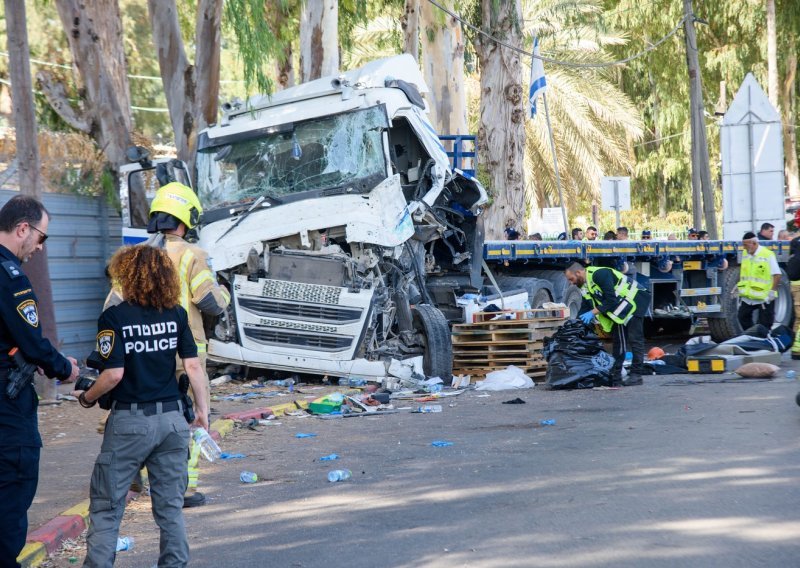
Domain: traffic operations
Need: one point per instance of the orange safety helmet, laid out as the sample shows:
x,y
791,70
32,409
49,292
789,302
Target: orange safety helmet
x,y
655,353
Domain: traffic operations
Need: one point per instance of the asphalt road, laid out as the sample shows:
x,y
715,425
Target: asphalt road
x,y
664,475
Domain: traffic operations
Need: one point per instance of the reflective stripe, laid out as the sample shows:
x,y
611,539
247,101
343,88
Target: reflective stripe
x,y
199,279
202,348
183,275
225,294
192,465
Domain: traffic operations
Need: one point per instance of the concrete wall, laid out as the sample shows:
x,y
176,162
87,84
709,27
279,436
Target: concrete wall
x,y
84,233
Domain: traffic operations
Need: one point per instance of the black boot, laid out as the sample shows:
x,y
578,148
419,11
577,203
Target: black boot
x,y
632,381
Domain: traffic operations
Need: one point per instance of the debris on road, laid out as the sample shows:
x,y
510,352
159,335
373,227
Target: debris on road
x,y
509,378
329,458
441,444
227,456
248,477
547,422
514,401
339,475
304,435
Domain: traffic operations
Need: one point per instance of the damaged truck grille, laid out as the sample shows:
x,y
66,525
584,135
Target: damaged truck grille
x,y
318,313
297,291
273,336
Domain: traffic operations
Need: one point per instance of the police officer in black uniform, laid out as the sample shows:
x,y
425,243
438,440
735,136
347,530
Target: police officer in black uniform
x,y
138,340
23,231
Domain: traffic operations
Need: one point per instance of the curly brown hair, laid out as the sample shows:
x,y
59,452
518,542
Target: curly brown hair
x,y
146,276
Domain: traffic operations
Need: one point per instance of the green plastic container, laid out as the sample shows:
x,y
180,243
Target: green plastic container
x,y
323,406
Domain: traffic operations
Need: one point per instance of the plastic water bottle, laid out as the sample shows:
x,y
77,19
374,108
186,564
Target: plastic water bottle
x,y
248,477
791,374
339,475
124,543
208,447
429,408
628,359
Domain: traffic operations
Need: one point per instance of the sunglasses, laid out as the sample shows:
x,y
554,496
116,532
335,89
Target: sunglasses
x,y
42,235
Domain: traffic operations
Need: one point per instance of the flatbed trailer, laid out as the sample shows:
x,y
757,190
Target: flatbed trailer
x,y
697,284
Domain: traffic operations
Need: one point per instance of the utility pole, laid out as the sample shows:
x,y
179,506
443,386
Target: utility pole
x,y
702,190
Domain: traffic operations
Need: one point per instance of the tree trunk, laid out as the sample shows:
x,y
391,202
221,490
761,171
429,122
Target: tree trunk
x,y
443,66
30,182
410,25
501,130
319,39
772,55
284,68
789,117
177,74
206,62
96,42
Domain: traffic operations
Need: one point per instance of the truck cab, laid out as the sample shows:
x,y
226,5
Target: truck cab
x,y
333,215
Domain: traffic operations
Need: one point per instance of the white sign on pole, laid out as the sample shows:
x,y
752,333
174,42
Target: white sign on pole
x,y
552,220
616,193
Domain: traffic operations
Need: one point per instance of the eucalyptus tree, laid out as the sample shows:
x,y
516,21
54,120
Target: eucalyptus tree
x,y
502,116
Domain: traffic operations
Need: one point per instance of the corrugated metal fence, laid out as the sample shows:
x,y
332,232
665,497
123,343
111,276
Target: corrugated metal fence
x,y
84,233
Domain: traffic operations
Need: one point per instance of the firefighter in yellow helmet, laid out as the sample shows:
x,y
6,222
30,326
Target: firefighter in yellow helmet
x,y
174,211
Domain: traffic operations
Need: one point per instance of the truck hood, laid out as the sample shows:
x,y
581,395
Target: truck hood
x,y
381,217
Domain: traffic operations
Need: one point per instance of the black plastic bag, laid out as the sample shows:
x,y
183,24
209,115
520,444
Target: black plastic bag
x,y
576,358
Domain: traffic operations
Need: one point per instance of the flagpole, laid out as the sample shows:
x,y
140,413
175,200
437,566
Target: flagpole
x,y
555,164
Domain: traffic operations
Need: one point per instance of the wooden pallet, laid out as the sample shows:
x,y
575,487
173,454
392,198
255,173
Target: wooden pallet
x,y
489,344
558,314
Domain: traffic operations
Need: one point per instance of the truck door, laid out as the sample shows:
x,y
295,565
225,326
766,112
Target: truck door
x,y
138,185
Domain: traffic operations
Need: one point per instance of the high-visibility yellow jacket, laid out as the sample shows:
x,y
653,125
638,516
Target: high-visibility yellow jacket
x,y
625,298
755,279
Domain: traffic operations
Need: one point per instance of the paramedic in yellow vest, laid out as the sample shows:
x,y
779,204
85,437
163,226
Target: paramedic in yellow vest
x,y
794,249
759,278
619,305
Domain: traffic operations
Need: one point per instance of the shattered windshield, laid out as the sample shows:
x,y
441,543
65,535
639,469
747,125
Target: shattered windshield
x,y
329,152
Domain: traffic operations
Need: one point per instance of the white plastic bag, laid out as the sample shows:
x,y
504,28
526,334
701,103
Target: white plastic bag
x,y
506,379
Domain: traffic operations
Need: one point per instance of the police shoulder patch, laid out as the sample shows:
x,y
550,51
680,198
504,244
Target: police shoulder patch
x,y
29,313
12,269
105,343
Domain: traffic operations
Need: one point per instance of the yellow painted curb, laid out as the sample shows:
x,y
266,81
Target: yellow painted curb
x,y
223,426
280,409
81,509
33,554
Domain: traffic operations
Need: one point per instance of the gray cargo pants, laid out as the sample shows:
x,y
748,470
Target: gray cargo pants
x,y
132,440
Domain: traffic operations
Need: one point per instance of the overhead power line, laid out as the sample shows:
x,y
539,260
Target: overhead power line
x,y
63,66
490,37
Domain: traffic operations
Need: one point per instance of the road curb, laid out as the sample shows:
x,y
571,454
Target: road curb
x,y
71,523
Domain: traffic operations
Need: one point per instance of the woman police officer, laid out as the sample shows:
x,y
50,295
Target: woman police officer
x,y
137,341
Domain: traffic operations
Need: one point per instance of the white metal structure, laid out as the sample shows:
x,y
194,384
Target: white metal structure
x,y
752,163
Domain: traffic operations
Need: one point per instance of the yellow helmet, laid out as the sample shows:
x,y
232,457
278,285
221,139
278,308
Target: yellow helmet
x,y
179,201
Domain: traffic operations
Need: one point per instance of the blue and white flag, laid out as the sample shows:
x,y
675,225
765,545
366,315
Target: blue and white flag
x,y
538,82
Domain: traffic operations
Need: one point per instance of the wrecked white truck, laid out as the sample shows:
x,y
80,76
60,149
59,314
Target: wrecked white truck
x,y
333,215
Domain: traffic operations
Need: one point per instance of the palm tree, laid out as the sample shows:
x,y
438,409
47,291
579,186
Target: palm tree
x,y
594,122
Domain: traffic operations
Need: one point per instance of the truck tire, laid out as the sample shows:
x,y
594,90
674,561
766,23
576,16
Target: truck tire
x,y
539,291
437,358
558,282
573,299
728,326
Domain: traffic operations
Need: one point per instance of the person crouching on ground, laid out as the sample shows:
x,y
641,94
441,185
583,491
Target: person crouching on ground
x,y
619,305
137,341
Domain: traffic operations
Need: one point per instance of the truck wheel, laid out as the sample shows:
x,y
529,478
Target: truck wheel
x,y
727,326
432,326
573,299
538,292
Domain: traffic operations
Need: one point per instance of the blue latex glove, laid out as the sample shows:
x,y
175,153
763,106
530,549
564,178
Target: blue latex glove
x,y
586,317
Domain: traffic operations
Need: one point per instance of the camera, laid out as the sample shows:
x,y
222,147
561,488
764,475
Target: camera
x,y
84,382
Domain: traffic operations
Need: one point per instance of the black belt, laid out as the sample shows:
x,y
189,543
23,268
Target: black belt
x,y
148,408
